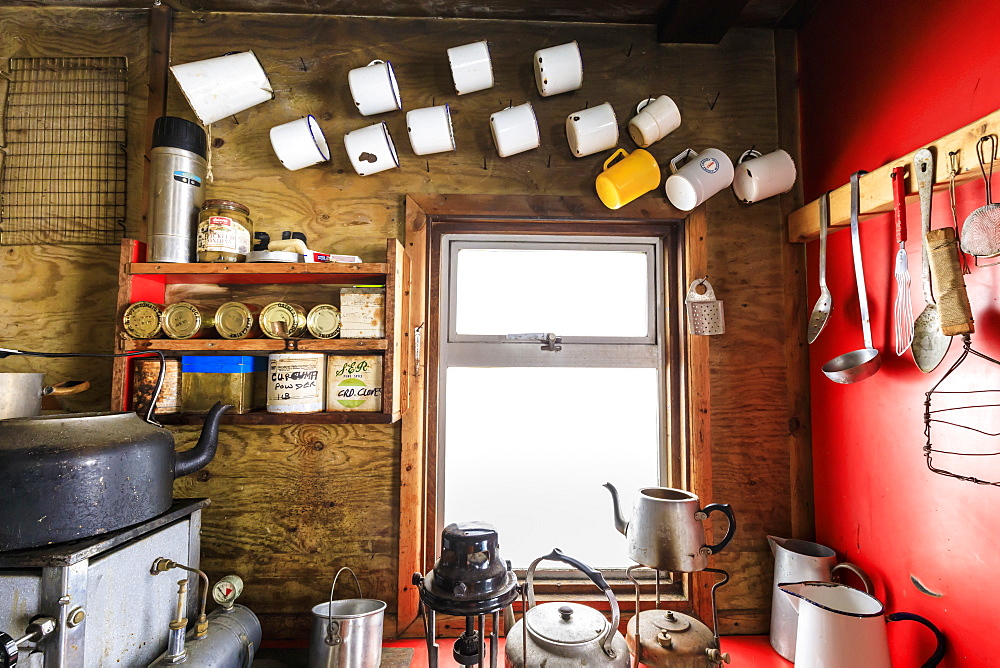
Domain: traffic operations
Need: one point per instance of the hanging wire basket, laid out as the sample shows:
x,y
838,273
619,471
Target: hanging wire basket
x,y
967,420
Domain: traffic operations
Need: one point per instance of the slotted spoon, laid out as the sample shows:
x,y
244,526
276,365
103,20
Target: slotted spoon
x,y
821,311
903,309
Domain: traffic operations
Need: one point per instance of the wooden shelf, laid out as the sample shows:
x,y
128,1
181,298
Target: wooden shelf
x,y
263,417
258,345
876,186
211,284
261,273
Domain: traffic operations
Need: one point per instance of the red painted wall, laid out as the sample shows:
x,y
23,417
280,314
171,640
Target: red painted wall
x,y
879,79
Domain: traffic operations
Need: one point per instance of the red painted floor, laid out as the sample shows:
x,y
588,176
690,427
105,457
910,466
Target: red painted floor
x,y
745,651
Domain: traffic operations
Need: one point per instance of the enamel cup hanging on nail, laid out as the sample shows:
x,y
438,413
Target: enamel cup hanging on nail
x,y
558,69
374,88
758,177
299,143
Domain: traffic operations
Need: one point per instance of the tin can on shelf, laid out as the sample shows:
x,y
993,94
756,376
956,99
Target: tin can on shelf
x,y
230,379
354,383
295,382
281,320
184,320
362,313
236,320
224,231
142,320
323,321
144,374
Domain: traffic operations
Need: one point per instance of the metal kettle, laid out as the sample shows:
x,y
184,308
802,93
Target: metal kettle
x,y
67,477
666,531
566,635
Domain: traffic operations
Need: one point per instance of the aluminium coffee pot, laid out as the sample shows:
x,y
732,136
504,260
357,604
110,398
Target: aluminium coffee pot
x,y
843,626
666,530
566,635
798,561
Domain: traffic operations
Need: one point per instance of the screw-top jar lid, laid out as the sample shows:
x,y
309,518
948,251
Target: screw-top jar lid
x,y
225,204
179,133
181,320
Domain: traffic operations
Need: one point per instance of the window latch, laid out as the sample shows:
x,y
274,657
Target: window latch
x,y
548,341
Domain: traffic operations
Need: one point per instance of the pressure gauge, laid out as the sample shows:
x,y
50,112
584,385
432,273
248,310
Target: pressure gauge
x,y
226,590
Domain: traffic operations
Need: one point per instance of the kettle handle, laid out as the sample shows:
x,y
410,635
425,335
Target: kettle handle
x,y
865,580
727,510
942,642
595,576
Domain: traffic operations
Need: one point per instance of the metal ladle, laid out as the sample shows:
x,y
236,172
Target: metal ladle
x,y
857,365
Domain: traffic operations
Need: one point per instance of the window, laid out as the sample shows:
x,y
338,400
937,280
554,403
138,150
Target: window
x,y
555,375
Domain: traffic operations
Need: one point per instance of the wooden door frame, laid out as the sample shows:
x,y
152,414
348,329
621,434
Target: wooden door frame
x,y
427,216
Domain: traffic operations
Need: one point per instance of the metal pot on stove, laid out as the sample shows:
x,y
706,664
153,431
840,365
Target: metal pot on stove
x,y
566,635
66,477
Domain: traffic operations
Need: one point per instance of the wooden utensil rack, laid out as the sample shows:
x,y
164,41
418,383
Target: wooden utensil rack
x,y
876,186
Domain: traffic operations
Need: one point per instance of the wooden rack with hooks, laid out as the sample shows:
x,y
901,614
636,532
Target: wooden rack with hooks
x,y
876,186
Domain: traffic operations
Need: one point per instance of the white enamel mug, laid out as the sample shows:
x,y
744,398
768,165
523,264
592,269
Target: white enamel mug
x,y
300,143
430,130
558,69
654,119
471,67
374,88
220,87
592,130
370,149
515,130
761,176
704,175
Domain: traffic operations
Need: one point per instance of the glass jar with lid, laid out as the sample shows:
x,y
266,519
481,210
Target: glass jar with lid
x,y
224,231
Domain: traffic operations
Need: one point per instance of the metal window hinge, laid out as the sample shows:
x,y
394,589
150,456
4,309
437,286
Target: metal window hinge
x,y
548,341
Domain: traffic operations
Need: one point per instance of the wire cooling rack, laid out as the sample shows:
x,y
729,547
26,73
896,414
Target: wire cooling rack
x,y
63,161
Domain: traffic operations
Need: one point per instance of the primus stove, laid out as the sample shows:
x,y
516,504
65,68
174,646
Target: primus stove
x,y
469,580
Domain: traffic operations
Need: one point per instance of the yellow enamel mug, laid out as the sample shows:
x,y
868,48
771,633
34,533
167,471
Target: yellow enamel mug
x,y
634,175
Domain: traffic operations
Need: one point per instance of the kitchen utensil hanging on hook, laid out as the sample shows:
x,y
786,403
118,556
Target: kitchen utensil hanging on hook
x,y
981,232
824,304
859,364
953,169
929,345
903,308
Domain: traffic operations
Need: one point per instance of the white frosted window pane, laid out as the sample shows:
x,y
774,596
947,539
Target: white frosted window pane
x,y
528,450
567,292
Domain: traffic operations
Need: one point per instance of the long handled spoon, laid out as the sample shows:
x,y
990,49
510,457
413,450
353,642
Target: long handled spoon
x,y
929,344
821,311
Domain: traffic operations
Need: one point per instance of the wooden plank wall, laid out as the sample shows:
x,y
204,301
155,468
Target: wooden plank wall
x,y
292,503
61,298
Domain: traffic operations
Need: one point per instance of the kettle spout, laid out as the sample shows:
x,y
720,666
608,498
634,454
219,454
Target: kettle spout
x,y
202,453
620,522
793,591
775,543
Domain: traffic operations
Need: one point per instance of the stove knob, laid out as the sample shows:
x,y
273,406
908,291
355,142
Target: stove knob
x,y
8,651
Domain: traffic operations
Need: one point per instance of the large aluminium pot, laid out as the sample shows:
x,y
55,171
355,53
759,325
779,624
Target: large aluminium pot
x,y
21,393
66,477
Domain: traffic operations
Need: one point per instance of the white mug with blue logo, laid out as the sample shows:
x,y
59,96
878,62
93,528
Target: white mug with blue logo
x,y
703,175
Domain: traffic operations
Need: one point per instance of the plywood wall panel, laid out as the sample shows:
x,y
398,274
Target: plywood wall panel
x,y
62,298
292,503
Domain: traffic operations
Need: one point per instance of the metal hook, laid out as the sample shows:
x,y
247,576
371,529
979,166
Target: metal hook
x,y
982,163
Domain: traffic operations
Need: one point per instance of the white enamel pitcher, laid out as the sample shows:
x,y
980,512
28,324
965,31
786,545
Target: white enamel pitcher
x,y
797,561
840,626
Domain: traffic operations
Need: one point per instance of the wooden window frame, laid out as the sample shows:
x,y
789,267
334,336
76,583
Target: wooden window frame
x,y
430,216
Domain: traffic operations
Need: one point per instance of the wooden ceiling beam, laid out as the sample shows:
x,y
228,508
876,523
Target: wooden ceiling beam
x,y
697,21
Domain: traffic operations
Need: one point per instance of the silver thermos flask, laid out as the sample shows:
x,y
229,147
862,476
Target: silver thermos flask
x,y
178,189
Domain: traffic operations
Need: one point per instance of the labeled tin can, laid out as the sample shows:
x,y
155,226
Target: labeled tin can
x,y
323,321
144,375
362,313
281,320
236,320
184,320
142,320
224,231
354,383
295,382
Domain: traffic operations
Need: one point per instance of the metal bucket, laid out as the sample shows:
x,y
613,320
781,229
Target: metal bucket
x,y
347,633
